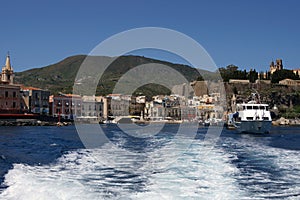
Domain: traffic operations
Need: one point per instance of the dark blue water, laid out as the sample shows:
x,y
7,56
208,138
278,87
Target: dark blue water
x,y
238,166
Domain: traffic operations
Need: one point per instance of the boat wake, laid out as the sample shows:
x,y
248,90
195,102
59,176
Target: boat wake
x,y
233,169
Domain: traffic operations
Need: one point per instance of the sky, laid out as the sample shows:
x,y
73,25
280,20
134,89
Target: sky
x,y
246,33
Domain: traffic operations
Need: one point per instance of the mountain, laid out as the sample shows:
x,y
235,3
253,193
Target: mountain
x,y
60,77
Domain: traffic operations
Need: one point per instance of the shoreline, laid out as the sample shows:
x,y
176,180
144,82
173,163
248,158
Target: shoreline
x,y
33,122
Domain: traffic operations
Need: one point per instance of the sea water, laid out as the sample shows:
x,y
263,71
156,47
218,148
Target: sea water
x,y
52,163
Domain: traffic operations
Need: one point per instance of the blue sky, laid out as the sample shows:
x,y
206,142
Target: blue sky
x,y
249,34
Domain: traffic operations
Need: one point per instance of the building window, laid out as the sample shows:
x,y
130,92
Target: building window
x,y
14,94
6,93
14,105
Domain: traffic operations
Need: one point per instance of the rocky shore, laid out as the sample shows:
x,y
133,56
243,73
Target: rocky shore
x,y
279,122
286,122
33,123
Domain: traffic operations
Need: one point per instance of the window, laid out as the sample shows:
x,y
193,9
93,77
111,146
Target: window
x,y
14,94
14,105
6,93
255,107
249,107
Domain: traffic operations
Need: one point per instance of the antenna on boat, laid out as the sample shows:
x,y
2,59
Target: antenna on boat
x,y
256,96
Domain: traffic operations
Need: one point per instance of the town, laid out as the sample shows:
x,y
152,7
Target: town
x,y
19,102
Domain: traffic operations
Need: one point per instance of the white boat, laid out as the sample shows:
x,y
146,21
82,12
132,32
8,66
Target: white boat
x,y
252,117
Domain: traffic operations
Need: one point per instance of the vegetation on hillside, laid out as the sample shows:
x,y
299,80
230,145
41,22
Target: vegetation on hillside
x,y
283,74
232,72
60,77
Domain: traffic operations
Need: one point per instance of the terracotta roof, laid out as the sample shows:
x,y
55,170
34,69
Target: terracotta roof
x,y
68,95
29,88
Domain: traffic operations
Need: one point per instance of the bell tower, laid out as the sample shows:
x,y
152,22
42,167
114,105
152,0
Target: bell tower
x,y
7,75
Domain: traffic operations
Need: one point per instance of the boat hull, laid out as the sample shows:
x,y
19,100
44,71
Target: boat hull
x,y
254,126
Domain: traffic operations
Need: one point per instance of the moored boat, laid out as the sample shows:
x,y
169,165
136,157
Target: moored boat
x,y
252,117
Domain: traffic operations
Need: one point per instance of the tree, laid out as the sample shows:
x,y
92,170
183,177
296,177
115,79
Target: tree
x,y
200,78
283,74
253,76
232,72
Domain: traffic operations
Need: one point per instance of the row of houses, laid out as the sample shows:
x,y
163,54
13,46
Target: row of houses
x,y
19,99
182,108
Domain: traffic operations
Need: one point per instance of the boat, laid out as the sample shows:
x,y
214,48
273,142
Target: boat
x,y
252,117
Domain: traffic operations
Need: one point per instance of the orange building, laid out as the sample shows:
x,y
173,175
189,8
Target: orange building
x,y
10,97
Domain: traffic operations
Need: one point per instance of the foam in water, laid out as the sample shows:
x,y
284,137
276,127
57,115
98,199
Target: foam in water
x,y
267,172
201,172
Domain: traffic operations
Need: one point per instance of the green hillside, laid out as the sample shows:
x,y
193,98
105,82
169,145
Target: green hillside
x,y
60,77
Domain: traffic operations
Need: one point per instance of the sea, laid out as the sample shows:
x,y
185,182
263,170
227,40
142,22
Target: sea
x,y
55,163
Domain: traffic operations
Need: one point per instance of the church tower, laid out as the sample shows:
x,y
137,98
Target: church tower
x,y
7,75
274,67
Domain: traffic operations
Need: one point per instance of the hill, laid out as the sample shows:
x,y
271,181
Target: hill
x,y
60,77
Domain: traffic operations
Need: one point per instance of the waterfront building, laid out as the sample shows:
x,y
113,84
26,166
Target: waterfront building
x,y
10,98
118,105
137,105
36,100
66,106
92,108
163,107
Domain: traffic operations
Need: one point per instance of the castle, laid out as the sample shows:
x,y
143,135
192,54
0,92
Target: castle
x,y
274,67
